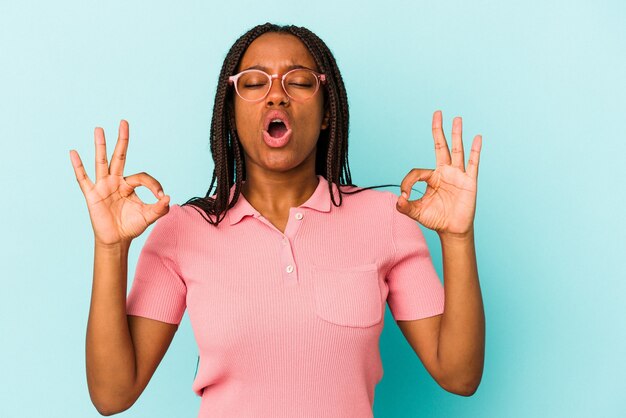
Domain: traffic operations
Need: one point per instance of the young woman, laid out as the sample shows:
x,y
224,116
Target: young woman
x,y
286,269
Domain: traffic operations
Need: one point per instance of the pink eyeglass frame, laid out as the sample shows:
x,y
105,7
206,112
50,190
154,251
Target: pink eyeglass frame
x,y
321,79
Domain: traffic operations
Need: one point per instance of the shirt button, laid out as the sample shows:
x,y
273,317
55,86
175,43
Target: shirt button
x,y
285,241
299,215
289,268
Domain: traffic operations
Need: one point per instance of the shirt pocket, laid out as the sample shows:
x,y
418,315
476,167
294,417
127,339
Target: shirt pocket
x,y
348,296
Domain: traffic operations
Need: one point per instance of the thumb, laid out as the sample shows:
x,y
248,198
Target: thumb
x,y
158,209
410,209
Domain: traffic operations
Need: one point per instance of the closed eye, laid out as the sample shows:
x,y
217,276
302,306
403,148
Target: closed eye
x,y
301,85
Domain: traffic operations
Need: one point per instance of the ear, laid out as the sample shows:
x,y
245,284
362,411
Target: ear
x,y
325,120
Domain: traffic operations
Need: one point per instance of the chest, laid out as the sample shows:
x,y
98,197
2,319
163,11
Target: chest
x,y
278,221
271,279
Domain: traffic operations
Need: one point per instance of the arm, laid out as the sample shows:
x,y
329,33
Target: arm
x,y
122,352
450,345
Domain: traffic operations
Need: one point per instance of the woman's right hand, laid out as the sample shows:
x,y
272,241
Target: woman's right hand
x,y
117,214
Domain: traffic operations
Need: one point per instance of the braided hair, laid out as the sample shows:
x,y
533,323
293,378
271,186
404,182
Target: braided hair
x,y
332,147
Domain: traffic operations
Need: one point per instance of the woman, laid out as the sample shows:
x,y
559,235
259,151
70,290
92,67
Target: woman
x,y
286,268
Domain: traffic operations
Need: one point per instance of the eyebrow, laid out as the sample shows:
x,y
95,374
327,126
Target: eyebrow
x,y
289,68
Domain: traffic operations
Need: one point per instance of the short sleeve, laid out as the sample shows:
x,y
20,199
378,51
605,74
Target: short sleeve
x,y
158,290
415,291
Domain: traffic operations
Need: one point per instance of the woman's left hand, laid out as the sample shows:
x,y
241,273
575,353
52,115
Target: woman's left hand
x,y
449,203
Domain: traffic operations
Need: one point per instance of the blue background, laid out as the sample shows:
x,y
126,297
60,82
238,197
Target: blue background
x,y
543,82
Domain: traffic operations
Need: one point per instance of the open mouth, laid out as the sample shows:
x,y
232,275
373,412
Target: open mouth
x,y
277,128
277,132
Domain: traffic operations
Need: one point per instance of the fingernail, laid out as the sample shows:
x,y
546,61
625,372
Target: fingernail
x,y
405,195
160,194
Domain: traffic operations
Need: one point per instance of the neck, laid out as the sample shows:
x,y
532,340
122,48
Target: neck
x,y
276,192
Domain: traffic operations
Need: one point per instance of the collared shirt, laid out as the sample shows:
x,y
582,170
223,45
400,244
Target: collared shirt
x,y
288,324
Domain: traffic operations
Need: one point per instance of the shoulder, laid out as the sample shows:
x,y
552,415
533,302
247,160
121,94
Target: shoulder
x,y
178,216
185,213
359,195
193,219
381,204
368,203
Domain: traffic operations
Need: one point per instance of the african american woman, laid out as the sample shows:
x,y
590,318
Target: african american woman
x,y
284,266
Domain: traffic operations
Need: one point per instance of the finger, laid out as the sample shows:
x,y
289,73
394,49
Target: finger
x,y
156,210
472,164
145,179
441,146
119,154
458,159
412,209
415,175
102,165
79,170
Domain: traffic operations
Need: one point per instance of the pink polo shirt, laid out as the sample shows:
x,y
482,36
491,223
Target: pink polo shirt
x,y
288,325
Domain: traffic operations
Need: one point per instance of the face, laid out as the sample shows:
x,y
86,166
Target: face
x,y
277,53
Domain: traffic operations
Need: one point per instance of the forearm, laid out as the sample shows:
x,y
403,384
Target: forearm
x,y
110,354
461,343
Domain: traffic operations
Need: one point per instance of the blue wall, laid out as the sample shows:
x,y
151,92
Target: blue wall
x,y
543,82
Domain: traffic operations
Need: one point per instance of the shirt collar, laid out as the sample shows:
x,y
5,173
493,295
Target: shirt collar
x,y
319,201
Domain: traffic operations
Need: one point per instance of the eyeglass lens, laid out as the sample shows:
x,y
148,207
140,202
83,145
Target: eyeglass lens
x,y
299,84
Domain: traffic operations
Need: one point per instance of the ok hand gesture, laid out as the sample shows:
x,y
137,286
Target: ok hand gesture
x,y
117,214
449,203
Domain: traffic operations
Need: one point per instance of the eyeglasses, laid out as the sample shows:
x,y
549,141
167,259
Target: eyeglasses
x,y
299,84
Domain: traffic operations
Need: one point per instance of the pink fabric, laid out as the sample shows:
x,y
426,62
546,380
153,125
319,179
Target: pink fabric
x,y
288,325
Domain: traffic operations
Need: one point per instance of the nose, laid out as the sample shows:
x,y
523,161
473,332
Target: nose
x,y
277,94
